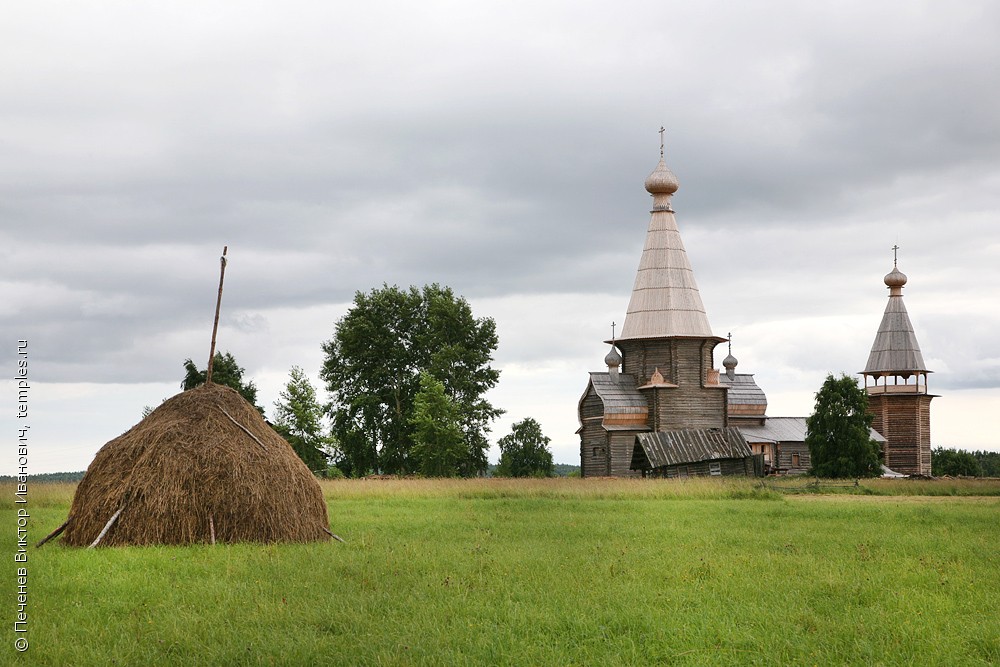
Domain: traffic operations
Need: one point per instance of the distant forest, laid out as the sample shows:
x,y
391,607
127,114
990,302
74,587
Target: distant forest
x,y
48,477
950,461
565,470
558,469
990,462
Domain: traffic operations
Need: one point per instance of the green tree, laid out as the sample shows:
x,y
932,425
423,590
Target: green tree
x,y
372,370
225,371
838,432
989,462
438,442
954,462
298,418
524,452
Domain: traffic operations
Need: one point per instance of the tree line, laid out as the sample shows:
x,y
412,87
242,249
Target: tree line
x,y
407,372
961,462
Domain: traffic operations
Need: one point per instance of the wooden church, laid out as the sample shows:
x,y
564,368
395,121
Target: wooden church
x,y
660,376
662,409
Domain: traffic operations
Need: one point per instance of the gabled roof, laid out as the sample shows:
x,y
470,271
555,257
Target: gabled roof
x,y
625,408
777,429
785,429
691,445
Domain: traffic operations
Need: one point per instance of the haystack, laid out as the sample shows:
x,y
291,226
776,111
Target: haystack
x,y
203,467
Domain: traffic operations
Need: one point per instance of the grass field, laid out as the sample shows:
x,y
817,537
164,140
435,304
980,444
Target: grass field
x,y
545,572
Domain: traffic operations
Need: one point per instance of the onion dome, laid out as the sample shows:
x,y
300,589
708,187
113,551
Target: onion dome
x,y
895,278
657,377
613,359
730,362
662,181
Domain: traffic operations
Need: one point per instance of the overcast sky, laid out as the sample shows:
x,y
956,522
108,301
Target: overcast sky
x,y
499,148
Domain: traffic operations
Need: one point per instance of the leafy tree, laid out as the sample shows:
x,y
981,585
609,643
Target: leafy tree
x,y
989,462
524,452
372,370
954,462
838,432
438,442
225,371
298,418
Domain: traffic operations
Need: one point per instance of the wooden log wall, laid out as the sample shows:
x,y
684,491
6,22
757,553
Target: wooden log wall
x,y
905,422
591,406
728,467
691,404
787,452
640,358
621,445
594,455
594,451
684,362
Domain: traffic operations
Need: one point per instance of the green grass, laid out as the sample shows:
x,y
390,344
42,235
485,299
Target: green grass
x,y
541,572
887,487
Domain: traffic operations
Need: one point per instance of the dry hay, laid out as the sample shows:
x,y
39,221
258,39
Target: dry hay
x,y
202,467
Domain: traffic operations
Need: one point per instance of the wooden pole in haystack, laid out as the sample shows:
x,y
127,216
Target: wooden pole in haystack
x,y
218,307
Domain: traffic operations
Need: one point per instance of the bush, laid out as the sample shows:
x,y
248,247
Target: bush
x,y
333,472
524,452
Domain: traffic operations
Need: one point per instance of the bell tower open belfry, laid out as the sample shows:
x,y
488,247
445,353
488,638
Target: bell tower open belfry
x,y
896,384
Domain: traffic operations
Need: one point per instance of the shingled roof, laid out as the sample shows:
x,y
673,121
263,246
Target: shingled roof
x,y
690,445
625,408
665,298
895,350
743,390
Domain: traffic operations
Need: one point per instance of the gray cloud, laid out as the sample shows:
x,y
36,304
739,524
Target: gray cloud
x,y
501,152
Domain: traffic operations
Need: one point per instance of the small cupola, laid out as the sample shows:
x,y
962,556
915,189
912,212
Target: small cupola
x,y
730,362
613,360
662,183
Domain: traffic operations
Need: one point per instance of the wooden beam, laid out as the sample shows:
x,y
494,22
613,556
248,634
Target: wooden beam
x,y
107,527
244,428
55,533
